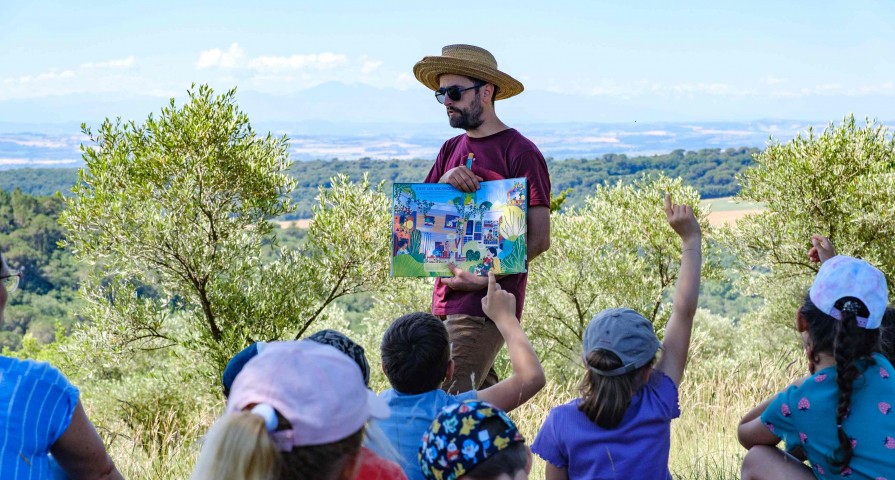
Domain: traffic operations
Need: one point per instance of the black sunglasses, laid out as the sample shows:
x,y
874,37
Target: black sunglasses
x,y
453,92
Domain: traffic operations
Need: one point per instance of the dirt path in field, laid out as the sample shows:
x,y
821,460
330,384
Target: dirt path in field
x,y
730,216
303,223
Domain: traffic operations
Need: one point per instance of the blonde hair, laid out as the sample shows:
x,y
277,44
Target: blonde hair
x,y
238,447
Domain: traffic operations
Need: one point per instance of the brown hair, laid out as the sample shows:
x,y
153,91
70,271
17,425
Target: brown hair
x,y
238,447
605,399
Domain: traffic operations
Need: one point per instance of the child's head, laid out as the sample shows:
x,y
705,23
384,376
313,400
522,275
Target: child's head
x,y
619,350
474,440
842,314
300,408
416,353
333,338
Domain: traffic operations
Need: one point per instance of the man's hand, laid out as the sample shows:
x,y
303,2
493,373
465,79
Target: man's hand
x,y
498,304
682,220
463,280
821,249
462,179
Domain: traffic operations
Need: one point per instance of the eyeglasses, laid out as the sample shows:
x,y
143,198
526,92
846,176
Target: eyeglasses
x,y
11,281
453,92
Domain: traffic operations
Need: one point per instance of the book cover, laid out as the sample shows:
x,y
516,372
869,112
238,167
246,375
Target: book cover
x,y
434,224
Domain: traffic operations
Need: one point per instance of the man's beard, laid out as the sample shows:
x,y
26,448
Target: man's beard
x,y
469,119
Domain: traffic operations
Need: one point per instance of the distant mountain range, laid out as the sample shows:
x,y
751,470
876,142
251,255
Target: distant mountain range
x,y
52,145
337,120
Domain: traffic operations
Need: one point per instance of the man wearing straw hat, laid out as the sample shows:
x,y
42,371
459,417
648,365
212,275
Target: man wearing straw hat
x,y
467,82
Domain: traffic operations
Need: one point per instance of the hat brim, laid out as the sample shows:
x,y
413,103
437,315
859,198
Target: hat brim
x,y
429,69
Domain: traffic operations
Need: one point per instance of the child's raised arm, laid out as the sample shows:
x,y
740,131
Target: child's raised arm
x,y
686,293
528,375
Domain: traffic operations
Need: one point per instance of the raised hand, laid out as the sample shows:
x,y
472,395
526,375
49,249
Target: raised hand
x,y
498,304
821,249
462,179
682,220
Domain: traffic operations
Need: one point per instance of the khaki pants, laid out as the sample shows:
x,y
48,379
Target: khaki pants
x,y
475,342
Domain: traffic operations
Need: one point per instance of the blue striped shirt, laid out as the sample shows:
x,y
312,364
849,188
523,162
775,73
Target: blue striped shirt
x,y
36,406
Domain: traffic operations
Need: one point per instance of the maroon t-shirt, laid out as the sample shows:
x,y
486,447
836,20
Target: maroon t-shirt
x,y
506,154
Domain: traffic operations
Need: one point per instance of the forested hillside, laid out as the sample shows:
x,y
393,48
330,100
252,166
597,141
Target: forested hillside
x,y
29,210
29,232
711,171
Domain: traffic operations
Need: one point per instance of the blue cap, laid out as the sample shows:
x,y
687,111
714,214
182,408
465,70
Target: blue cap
x,y
234,366
627,334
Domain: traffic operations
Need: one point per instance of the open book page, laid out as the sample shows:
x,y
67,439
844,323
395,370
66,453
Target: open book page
x,y
435,224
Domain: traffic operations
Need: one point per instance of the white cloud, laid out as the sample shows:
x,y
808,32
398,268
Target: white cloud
x,y
44,77
322,61
216,57
117,63
370,65
771,80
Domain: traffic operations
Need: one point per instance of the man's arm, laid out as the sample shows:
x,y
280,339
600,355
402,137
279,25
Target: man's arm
x,y
528,375
538,227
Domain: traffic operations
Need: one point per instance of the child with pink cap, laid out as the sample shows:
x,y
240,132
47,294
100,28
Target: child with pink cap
x,y
839,417
296,412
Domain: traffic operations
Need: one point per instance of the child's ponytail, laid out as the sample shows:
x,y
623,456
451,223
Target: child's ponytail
x,y
238,446
852,344
605,399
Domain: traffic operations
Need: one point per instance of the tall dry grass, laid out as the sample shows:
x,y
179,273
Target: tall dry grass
x,y
731,370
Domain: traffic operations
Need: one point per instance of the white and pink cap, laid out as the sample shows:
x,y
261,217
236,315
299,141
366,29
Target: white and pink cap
x,y
317,388
841,277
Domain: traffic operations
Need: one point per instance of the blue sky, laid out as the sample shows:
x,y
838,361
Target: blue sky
x,y
580,61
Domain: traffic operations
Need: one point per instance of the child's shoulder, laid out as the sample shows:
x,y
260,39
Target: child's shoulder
x,y
566,410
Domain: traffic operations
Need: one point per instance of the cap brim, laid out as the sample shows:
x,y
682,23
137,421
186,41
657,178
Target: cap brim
x,y
377,406
429,69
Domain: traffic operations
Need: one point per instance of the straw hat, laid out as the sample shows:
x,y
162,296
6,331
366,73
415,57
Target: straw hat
x,y
469,61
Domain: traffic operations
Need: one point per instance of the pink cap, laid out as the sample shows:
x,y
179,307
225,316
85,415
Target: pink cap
x,y
317,388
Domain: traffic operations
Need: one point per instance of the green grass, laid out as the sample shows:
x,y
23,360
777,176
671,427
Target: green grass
x,y
727,204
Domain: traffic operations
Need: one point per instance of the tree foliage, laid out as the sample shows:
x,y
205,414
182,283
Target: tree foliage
x,y
28,237
173,214
839,183
711,171
617,250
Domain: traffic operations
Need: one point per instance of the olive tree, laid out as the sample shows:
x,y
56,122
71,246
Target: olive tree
x,y
173,214
839,183
617,250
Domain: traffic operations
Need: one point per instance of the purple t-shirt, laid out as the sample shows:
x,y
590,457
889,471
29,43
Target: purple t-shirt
x,y
506,154
637,448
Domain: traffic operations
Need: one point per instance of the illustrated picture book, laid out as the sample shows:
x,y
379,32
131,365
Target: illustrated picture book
x,y
434,225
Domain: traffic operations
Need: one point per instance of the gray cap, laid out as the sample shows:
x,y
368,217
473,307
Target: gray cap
x,y
625,333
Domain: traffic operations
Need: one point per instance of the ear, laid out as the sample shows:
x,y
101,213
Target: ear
x,y
488,88
449,374
801,323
